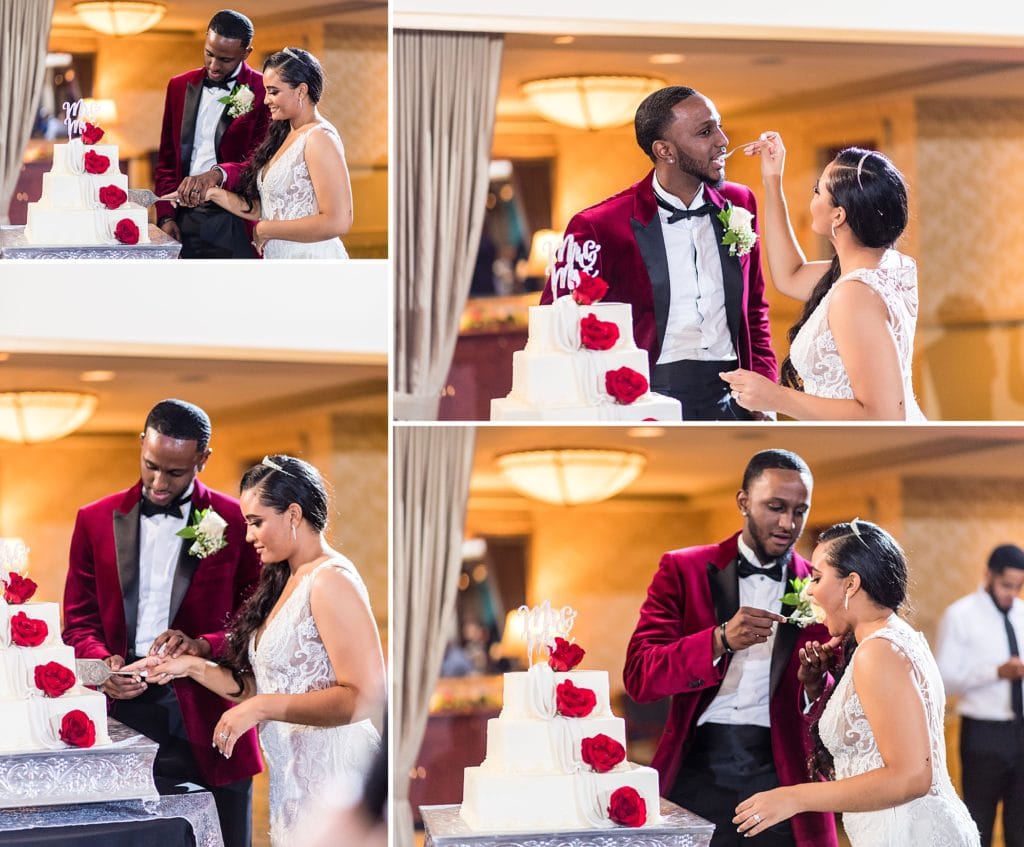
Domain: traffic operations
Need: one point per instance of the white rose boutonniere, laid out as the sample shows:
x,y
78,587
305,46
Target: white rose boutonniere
x,y
805,611
207,530
739,236
239,101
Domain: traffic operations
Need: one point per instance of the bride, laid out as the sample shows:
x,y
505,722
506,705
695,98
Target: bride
x,y
296,185
851,350
880,735
304,659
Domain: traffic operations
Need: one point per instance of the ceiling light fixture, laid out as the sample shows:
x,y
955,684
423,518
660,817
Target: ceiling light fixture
x,y
119,17
28,417
589,102
570,477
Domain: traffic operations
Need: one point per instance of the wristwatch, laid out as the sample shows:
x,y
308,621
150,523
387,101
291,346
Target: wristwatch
x,y
725,641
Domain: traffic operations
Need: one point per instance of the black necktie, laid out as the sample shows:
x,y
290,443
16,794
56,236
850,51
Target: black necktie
x,y
1016,685
773,571
148,508
678,214
215,83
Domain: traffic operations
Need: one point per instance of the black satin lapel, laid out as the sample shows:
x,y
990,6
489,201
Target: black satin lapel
x,y
222,127
732,281
725,590
785,640
652,250
183,573
126,546
193,94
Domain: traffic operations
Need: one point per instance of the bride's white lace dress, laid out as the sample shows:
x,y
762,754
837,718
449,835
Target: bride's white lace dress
x,y
286,193
939,818
304,761
814,354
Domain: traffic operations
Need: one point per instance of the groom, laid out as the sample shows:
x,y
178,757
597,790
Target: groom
x,y
133,588
697,310
710,636
205,142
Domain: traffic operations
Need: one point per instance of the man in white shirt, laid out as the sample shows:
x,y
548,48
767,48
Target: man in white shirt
x,y
980,639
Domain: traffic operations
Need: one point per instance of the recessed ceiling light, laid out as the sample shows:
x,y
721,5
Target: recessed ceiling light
x,y
564,39
96,376
667,58
645,431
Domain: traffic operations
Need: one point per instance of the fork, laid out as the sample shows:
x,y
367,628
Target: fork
x,y
740,147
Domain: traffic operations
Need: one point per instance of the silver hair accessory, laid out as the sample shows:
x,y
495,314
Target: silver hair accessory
x,y
856,531
860,168
270,463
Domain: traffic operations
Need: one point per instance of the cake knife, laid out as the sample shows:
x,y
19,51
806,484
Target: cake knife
x,y
96,671
142,196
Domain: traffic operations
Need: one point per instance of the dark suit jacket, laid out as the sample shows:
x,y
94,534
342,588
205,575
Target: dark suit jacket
x,y
236,138
101,596
671,655
632,260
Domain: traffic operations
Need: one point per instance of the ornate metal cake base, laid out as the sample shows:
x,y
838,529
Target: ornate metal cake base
x,y
121,770
14,246
678,828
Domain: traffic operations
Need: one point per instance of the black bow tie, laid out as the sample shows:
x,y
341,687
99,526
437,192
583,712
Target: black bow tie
x,y
149,509
678,214
226,84
773,571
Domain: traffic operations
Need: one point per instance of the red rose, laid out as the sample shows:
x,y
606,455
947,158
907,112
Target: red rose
x,y
126,232
625,385
112,197
627,807
573,702
77,729
602,752
95,163
53,679
590,290
565,656
28,632
19,589
91,134
596,334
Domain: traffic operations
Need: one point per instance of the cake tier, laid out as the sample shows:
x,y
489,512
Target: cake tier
x,y
69,158
522,745
551,802
48,613
82,226
532,694
69,191
18,667
649,407
34,724
556,327
569,379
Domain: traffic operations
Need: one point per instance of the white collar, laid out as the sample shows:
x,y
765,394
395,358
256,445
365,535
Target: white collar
x,y
750,555
697,202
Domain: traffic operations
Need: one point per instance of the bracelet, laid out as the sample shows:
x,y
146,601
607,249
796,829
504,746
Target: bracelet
x,y
725,641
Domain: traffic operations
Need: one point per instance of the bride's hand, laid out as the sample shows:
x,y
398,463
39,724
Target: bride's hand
x,y
215,194
752,391
765,809
162,670
235,722
258,240
772,153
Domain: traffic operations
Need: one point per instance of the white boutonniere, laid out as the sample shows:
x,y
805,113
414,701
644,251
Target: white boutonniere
x,y
239,101
207,529
739,236
805,611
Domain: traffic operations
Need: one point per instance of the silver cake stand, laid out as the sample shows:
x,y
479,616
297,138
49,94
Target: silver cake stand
x,y
677,828
14,246
121,770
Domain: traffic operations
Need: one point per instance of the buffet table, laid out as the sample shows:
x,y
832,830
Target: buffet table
x,y
14,246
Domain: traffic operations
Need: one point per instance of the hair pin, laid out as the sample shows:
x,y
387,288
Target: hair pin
x,y
860,168
856,531
270,463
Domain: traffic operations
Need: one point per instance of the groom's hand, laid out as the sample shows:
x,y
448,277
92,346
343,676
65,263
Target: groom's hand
x,y
121,687
750,626
173,643
192,190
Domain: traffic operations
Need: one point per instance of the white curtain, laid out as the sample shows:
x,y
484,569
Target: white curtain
x,y
446,88
24,33
432,466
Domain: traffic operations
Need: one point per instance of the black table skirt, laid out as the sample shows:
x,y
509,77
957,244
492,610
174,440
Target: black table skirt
x,y
161,832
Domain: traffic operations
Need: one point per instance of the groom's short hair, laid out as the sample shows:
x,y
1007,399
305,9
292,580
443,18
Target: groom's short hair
x,y
655,114
180,420
773,459
228,23
1006,556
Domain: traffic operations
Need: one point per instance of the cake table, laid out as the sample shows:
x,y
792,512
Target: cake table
x,y
14,246
677,828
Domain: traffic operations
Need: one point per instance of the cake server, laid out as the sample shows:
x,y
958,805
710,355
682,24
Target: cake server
x,y
96,671
142,196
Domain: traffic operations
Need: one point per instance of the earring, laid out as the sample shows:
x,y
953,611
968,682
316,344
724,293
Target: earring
x,y
294,534
846,602
833,230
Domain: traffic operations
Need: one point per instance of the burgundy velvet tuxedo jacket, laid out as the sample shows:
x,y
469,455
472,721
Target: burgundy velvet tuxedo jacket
x,y
101,605
632,260
235,141
671,655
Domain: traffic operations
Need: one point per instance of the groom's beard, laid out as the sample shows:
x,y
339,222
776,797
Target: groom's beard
x,y
693,167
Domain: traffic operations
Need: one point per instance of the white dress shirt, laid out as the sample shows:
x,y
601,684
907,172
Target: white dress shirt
x,y
204,150
744,694
697,326
159,548
972,645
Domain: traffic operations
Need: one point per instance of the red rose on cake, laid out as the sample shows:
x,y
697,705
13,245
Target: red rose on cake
x,y
602,752
565,656
596,334
53,679
627,807
19,589
28,632
625,385
589,290
95,163
112,197
573,702
92,134
126,232
77,729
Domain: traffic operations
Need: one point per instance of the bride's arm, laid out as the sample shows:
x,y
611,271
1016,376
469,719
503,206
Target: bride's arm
x,y
329,175
234,203
894,707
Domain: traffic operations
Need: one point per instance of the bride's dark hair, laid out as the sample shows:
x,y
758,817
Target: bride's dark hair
x,y
866,549
296,482
294,66
874,194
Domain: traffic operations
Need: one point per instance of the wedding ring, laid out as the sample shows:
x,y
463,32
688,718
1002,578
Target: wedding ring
x,y
757,818
223,735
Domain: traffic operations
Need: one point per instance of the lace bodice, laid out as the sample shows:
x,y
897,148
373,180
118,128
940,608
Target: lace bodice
x,y
814,353
286,194
304,761
937,819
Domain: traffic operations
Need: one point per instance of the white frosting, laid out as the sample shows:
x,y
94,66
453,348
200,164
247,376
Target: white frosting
x,y
82,226
48,613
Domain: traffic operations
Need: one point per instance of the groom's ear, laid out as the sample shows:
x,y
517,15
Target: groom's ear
x,y
662,150
204,457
